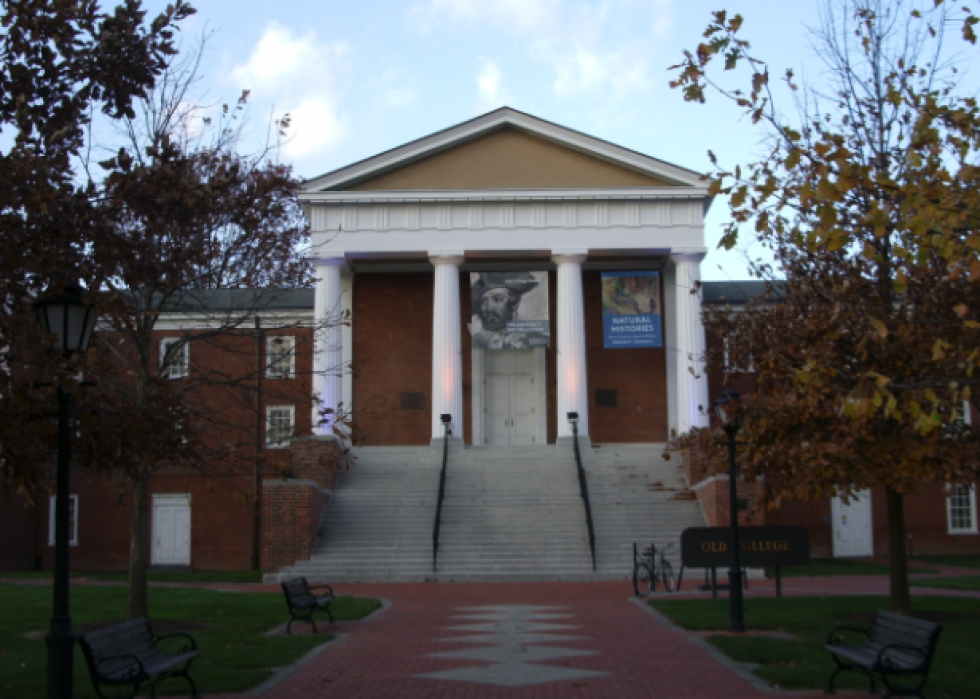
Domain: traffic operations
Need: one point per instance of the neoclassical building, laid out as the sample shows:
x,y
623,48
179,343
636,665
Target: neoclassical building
x,y
403,239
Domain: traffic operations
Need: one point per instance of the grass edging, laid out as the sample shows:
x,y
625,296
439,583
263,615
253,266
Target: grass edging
x,y
803,664
236,654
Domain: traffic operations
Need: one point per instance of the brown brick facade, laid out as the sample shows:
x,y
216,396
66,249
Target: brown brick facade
x,y
392,355
291,512
639,377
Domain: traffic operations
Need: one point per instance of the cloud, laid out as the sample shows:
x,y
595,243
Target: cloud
x,y
489,85
393,90
519,15
278,72
316,126
590,47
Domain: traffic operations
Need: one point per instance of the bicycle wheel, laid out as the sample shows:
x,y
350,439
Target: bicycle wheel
x,y
642,579
667,576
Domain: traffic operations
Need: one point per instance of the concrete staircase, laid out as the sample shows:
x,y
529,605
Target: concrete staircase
x,y
637,496
510,514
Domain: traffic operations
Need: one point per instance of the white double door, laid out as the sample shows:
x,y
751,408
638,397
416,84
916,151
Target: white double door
x,y
171,533
852,525
510,409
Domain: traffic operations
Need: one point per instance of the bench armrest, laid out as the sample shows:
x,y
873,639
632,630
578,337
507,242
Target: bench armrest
x,y
137,663
191,647
884,661
839,642
322,587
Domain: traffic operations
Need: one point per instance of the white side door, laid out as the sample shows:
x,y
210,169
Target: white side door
x,y
852,525
171,534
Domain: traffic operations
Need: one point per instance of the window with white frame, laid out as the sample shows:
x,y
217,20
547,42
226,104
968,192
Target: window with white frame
x,y
174,357
738,360
72,520
961,509
281,357
280,421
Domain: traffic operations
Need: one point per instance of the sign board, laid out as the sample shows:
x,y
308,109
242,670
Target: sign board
x,y
709,547
510,310
631,310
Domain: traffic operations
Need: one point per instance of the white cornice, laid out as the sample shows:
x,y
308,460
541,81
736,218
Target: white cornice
x,y
494,121
422,196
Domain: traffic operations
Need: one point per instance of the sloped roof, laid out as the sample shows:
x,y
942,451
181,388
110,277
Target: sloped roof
x,y
481,126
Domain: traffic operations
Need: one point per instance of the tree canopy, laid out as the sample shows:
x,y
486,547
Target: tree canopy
x,y
866,353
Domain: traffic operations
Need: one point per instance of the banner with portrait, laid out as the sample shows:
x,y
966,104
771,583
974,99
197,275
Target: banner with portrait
x,y
510,310
631,310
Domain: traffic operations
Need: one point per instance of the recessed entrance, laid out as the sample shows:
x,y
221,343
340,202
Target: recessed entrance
x,y
510,397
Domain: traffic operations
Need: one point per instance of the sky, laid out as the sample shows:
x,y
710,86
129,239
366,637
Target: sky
x,y
359,78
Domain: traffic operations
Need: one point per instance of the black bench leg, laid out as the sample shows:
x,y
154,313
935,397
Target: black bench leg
x,y
830,683
312,623
189,681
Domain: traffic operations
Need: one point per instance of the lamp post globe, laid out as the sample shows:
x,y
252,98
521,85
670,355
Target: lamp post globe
x,y
728,408
65,315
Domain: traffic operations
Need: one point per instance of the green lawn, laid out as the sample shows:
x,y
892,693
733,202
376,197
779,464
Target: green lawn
x,y
966,560
803,664
190,576
235,655
837,566
971,583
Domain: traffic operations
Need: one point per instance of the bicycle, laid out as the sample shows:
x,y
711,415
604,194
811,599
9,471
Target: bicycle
x,y
647,570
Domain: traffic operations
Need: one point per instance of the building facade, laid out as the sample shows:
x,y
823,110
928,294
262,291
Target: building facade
x,y
505,273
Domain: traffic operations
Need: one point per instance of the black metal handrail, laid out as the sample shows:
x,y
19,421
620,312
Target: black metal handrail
x,y
442,495
583,486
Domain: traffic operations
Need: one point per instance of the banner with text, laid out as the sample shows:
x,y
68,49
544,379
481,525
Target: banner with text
x,y
631,310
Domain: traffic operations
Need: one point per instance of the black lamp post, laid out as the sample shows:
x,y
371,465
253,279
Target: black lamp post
x,y
728,409
71,321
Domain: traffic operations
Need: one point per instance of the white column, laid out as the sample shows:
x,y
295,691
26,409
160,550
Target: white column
x,y
327,350
692,382
447,360
570,369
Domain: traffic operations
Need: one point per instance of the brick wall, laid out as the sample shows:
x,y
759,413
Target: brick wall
x,y
639,376
291,511
392,354
19,526
317,459
713,496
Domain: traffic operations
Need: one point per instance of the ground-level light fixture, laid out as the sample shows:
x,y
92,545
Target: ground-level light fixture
x,y
66,316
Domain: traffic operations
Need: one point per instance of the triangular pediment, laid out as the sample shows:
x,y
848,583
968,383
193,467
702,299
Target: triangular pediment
x,y
509,159
506,150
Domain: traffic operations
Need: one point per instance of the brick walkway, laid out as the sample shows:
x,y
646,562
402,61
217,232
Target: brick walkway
x,y
638,655
563,639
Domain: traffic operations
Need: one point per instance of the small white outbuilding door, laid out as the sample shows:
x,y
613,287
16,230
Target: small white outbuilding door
x,y
852,525
171,534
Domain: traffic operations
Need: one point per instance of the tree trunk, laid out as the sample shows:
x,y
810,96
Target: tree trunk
x,y
899,600
136,600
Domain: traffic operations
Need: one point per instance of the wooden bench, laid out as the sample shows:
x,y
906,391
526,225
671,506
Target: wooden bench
x,y
303,601
895,645
127,654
